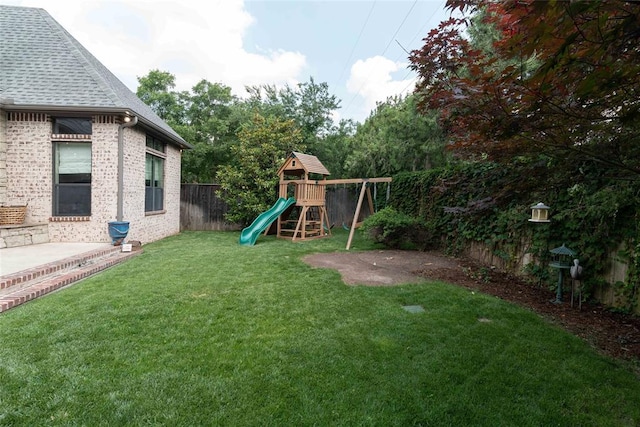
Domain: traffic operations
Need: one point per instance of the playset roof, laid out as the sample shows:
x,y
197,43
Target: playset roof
x,y
303,163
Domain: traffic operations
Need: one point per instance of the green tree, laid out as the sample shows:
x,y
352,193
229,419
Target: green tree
x,y
334,148
156,90
205,117
312,107
211,125
249,186
396,138
309,104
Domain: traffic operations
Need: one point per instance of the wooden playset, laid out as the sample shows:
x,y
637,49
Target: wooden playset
x,y
304,177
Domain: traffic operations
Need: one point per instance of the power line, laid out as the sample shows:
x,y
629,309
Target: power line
x,y
402,47
382,54
346,65
420,31
424,27
410,83
399,27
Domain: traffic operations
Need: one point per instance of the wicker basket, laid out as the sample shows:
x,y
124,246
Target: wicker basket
x,y
12,215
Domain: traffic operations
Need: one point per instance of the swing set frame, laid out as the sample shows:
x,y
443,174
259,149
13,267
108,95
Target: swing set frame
x,y
310,196
365,190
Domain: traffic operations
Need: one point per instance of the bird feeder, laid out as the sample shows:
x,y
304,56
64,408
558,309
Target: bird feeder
x,y
562,260
540,213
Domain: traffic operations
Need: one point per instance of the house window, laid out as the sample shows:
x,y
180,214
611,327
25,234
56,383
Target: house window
x,y
72,126
155,144
154,175
72,179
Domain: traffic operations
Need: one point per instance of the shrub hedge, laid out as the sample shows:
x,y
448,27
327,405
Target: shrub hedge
x,y
491,203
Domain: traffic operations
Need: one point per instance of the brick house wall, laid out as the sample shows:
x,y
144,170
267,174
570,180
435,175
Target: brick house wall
x,y
3,157
29,169
29,164
104,185
142,226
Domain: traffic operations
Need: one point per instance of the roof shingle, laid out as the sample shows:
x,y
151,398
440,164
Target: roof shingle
x,y
42,65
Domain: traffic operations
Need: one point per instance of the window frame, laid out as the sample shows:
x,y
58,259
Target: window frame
x,y
59,187
156,150
67,124
71,130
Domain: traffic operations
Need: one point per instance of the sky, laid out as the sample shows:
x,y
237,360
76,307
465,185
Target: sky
x,y
358,47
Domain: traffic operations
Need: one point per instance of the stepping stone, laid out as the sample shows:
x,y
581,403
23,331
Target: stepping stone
x,y
413,308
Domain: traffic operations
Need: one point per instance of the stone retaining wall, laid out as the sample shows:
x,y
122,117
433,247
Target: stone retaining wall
x,y
12,236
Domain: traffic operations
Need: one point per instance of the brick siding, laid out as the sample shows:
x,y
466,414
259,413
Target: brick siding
x,y
3,157
29,168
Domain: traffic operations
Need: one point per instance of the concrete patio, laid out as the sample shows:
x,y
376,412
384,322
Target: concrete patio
x,y
13,260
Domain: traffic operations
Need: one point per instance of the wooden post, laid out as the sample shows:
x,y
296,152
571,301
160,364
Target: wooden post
x,y
371,211
279,229
357,214
301,223
325,219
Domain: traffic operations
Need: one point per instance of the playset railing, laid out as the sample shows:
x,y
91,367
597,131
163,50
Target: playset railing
x,y
306,193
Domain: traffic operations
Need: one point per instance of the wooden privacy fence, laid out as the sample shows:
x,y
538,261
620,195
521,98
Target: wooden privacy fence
x,y
202,210
341,204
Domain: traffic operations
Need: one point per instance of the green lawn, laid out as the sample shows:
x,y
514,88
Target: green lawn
x,y
199,330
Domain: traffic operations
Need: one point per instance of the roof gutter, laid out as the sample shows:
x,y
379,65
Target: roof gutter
x,y
179,142
127,123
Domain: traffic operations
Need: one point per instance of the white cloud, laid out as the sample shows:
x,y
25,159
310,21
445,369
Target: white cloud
x,y
192,40
372,79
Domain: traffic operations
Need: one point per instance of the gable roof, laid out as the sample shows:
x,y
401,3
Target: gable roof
x,y
307,162
42,67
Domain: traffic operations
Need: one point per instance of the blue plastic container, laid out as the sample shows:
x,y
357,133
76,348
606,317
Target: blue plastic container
x,y
118,230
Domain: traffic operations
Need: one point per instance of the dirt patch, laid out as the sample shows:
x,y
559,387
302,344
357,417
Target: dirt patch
x,y
381,268
614,334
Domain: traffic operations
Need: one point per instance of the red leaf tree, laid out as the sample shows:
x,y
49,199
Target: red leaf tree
x,y
581,101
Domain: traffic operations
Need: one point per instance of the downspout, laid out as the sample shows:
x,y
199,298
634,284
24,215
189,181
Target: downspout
x,y
128,122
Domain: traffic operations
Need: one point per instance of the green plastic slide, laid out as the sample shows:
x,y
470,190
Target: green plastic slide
x,y
250,234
